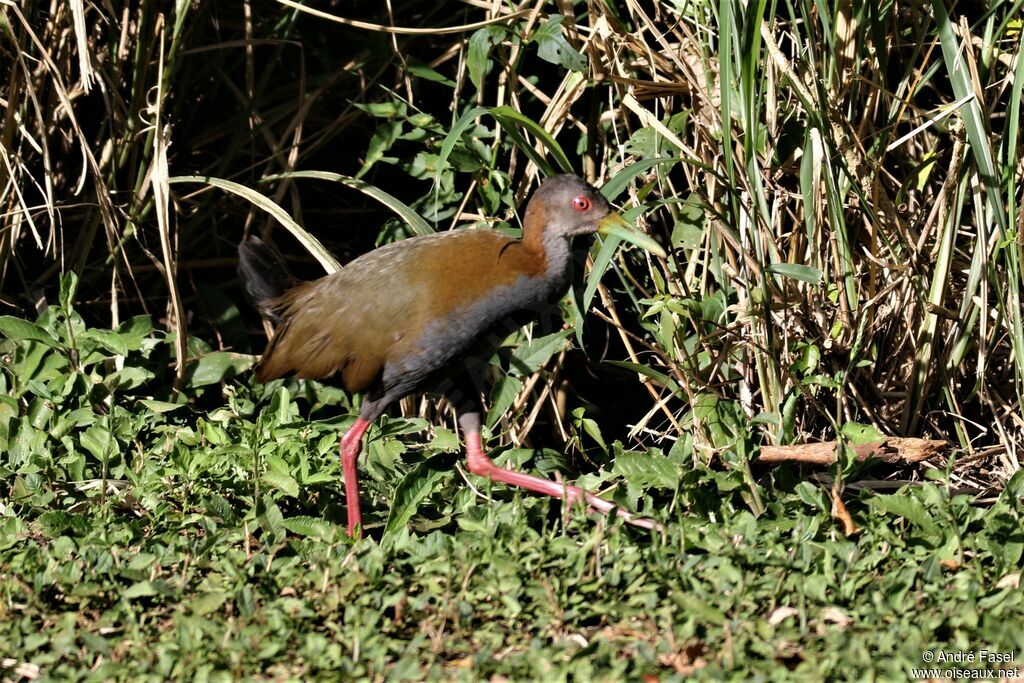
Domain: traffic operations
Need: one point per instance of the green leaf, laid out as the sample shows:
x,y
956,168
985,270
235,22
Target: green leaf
x,y
22,330
425,72
207,603
503,393
414,488
216,367
445,441
270,518
528,358
601,262
381,141
590,426
795,271
311,527
109,340
160,406
135,330
282,482
617,184
857,433
452,139
131,377
510,121
97,439
141,589
647,469
386,109
480,44
552,45
648,371
68,288
909,506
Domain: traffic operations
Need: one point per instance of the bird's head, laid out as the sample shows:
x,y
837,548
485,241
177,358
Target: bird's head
x,y
567,206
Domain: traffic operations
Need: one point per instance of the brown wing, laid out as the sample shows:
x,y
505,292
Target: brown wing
x,y
370,313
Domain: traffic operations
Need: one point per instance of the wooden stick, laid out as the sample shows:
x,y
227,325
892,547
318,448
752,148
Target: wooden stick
x,y
893,450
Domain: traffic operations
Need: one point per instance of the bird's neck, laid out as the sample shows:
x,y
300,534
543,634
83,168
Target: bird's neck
x,y
551,251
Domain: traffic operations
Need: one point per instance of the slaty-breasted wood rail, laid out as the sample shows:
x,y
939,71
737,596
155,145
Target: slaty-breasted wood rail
x,y
404,316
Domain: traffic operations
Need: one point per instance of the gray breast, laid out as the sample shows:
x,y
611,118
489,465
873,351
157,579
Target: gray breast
x,y
443,340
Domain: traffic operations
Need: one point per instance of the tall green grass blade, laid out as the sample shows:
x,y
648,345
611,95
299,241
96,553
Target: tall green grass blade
x,y
402,210
618,183
971,114
312,244
509,119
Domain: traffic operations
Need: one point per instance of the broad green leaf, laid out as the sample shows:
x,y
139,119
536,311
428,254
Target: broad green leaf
x,y
857,433
503,393
207,603
445,441
907,505
97,440
216,367
311,527
270,518
109,340
282,482
141,589
135,330
552,45
8,407
281,406
480,44
160,406
18,329
528,358
414,488
647,469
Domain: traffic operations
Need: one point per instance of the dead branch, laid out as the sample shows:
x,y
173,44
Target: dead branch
x,y
894,450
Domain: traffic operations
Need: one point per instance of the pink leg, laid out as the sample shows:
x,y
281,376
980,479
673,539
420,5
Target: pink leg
x,y
350,447
483,466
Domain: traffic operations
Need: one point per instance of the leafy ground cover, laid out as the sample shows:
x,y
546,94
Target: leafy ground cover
x,y
838,188
143,537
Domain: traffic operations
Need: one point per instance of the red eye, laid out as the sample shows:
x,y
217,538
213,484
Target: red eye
x,y
581,203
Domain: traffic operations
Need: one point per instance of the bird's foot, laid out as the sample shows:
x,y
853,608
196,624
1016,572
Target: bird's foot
x,y
483,466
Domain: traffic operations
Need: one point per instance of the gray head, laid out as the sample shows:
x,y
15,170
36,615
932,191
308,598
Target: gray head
x,y
564,206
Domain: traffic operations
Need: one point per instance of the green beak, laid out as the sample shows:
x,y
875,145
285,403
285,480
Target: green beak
x,y
614,225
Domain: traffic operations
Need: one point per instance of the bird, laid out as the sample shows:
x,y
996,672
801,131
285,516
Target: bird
x,y
413,313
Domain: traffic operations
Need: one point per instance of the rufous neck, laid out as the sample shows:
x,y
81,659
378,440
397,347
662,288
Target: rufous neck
x,y
546,244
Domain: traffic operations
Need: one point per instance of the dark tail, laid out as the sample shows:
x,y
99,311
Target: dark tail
x,y
264,274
